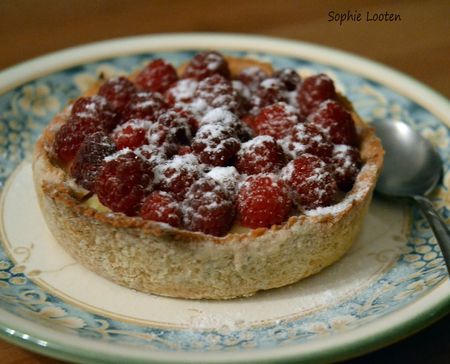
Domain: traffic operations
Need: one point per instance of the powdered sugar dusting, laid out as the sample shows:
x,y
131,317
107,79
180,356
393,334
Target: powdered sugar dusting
x,y
340,206
216,91
213,61
187,163
198,107
208,208
224,117
133,124
270,83
220,116
286,172
183,91
258,140
341,153
228,177
151,153
241,89
117,154
216,145
221,322
92,106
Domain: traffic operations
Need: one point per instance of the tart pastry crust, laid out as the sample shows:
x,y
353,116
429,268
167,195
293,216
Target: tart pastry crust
x,y
156,258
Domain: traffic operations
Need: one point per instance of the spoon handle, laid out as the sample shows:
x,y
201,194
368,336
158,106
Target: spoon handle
x,y
438,225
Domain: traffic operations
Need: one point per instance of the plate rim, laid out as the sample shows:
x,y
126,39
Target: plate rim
x,y
432,101
365,344
69,57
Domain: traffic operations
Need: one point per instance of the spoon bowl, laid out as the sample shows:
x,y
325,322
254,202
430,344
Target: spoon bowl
x,y
411,165
412,168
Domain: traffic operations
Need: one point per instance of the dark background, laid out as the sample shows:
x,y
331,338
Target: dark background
x,y
418,44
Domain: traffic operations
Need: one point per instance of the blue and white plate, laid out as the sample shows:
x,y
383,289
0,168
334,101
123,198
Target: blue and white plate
x,y
391,283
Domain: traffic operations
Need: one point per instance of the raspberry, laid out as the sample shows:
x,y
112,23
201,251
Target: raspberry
x,y
270,91
208,209
206,64
228,177
89,158
250,121
118,91
132,134
276,120
243,97
263,201
181,92
312,184
185,149
157,76
213,92
288,77
307,138
123,182
171,127
346,163
260,155
229,120
70,136
95,110
335,122
177,175
160,206
252,77
221,117
314,90
190,118
144,105
215,144
151,154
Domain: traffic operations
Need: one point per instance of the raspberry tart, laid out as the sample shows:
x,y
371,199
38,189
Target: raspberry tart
x,y
215,180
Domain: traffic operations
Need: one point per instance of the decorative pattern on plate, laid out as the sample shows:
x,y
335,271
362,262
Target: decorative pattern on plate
x,y
26,110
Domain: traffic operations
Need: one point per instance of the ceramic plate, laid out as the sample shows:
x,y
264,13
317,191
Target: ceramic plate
x,y
390,284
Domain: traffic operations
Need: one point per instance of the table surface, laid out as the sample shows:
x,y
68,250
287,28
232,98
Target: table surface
x,y
418,44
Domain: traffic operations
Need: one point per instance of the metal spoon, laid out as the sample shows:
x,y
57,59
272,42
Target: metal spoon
x,y
412,168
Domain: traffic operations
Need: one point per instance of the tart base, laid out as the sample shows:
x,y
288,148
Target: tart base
x,y
156,258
